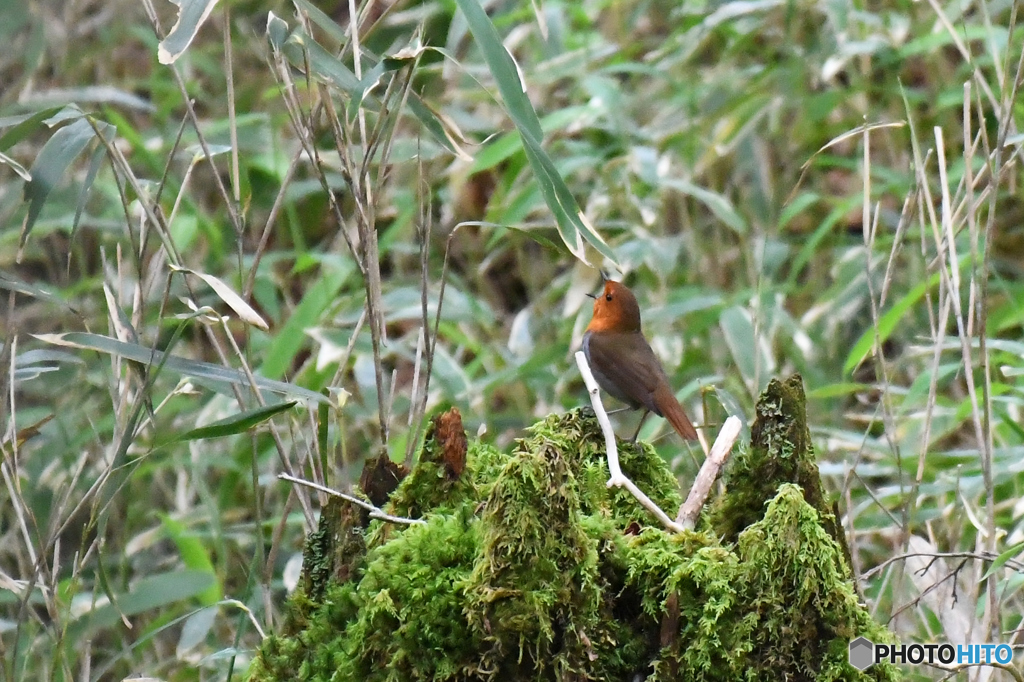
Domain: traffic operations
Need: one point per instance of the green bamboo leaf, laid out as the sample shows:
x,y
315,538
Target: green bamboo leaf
x,y
836,390
53,160
16,167
931,42
277,31
196,628
535,234
505,145
811,243
323,423
796,206
572,223
1003,558
238,423
719,205
573,226
191,15
320,18
292,337
886,324
301,50
12,283
436,126
194,555
24,125
503,68
207,371
326,67
740,337
369,81
103,95
224,291
98,155
147,594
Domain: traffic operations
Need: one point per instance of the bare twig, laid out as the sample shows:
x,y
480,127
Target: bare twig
x,y
261,248
375,512
418,404
232,207
307,510
955,670
343,360
977,556
229,78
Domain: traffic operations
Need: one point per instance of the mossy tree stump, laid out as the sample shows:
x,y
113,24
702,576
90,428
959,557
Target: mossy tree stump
x,y
529,568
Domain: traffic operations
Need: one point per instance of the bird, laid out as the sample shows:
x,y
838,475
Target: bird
x,y
623,362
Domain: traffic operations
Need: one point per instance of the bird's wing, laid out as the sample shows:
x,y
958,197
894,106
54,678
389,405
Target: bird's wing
x,y
637,378
626,366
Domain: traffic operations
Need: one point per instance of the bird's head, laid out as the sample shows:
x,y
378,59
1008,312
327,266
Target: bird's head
x,y
615,310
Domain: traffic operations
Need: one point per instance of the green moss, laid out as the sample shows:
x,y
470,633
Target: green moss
x,y
314,652
431,486
798,593
529,568
334,551
691,590
780,452
411,623
534,594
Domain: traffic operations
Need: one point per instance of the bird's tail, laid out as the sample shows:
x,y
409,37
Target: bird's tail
x,y
673,412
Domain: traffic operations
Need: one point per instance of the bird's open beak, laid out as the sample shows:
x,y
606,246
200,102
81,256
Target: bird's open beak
x,y
593,296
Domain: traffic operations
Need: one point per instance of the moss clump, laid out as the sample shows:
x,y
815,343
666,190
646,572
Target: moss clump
x,y
534,593
780,452
690,590
529,568
440,480
410,624
798,592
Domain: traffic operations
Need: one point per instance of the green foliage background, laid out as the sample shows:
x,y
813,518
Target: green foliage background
x,y
824,187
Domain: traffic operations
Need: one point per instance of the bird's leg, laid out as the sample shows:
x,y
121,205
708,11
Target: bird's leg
x,y
640,425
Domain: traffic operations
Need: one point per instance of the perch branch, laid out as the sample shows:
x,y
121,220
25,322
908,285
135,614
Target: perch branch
x,y
690,510
701,486
617,478
375,512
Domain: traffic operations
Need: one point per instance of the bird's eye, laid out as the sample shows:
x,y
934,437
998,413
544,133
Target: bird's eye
x,y
608,297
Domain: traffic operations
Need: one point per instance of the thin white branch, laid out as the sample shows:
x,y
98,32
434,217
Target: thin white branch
x,y
617,478
649,505
375,512
248,612
690,510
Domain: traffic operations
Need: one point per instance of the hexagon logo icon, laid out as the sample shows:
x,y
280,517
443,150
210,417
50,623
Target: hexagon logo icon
x,y
862,653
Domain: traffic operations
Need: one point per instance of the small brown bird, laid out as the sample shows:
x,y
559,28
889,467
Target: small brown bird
x,y
624,364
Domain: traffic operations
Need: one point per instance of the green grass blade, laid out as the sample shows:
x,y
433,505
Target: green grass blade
x,y
194,555
238,423
191,15
886,324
